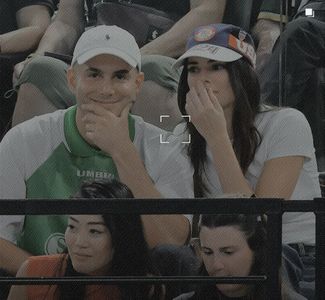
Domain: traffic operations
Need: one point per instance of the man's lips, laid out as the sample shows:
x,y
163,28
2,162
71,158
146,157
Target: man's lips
x,y
104,101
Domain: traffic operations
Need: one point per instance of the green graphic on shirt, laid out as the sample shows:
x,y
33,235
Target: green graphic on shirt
x,y
60,176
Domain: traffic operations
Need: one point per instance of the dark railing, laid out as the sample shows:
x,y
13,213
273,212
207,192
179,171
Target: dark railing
x,y
273,208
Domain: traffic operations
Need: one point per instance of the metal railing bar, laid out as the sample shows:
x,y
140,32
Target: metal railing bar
x,y
138,206
320,250
274,250
298,206
130,280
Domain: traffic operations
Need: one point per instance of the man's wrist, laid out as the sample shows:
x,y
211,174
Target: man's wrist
x,y
124,152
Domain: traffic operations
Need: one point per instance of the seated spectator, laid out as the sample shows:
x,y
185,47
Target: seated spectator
x,y
49,156
22,24
37,95
237,144
301,47
99,245
158,95
233,245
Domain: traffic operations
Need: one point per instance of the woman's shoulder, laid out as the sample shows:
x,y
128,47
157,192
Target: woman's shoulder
x,y
46,265
267,113
275,119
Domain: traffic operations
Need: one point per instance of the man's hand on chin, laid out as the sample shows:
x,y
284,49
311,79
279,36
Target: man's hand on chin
x,y
104,129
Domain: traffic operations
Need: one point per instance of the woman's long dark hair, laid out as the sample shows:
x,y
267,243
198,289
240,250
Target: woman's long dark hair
x,y
131,253
244,82
254,229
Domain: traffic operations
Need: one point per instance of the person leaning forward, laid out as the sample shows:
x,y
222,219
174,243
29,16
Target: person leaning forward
x,y
49,156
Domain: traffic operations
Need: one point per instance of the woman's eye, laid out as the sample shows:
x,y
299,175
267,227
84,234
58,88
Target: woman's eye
x,y
228,252
192,69
95,231
218,67
207,252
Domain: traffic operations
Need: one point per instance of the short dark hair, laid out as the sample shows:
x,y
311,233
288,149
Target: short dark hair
x,y
254,229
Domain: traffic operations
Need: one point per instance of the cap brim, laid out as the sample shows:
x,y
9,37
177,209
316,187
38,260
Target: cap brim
x,y
221,54
98,51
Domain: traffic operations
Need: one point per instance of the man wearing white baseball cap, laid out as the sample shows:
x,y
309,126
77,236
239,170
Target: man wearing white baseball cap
x,y
49,156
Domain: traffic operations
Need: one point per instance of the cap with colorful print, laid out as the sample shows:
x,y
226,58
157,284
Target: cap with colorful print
x,y
221,42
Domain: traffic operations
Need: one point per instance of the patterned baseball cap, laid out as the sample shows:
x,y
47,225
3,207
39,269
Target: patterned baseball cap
x,y
105,39
221,42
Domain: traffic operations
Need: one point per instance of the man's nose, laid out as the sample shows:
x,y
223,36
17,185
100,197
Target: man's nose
x,y
107,88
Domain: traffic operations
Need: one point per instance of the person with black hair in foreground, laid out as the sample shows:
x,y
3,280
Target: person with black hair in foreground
x,y
99,245
233,245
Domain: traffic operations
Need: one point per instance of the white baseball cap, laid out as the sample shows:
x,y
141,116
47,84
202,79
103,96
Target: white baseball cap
x,y
105,39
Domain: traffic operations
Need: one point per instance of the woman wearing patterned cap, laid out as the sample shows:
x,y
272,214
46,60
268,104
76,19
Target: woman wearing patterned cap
x,y
238,145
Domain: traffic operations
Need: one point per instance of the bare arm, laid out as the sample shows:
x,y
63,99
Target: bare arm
x,y
65,30
278,178
62,34
19,291
172,43
11,257
267,33
162,229
159,229
32,22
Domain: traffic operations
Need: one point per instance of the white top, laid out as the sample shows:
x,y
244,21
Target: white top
x,y
284,132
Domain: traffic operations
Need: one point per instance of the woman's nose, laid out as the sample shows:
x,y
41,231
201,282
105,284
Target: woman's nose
x,y
81,240
204,77
218,265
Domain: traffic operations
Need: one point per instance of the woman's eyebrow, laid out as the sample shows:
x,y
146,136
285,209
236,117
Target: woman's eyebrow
x,y
227,248
206,248
96,223
73,219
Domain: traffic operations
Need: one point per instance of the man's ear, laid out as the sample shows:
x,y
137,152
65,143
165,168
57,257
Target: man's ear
x,y
71,79
139,81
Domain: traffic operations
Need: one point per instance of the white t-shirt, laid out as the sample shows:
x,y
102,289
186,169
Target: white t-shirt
x,y
284,132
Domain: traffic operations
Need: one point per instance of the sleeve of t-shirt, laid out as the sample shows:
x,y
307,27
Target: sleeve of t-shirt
x,y
12,183
175,175
270,10
289,134
19,4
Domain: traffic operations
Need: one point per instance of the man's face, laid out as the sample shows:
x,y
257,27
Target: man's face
x,y
106,81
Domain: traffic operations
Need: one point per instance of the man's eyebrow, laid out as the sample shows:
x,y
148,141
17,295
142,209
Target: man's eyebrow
x,y
122,71
92,69
73,219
